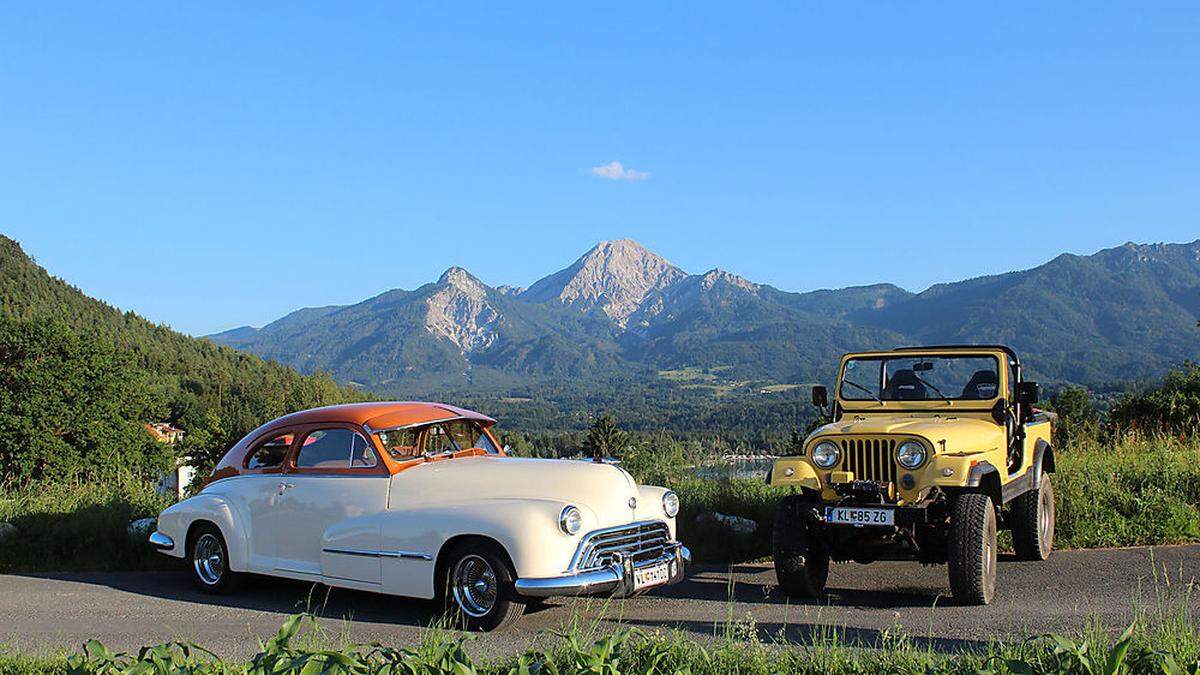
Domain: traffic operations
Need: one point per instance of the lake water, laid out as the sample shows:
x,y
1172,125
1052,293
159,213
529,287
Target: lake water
x,y
752,468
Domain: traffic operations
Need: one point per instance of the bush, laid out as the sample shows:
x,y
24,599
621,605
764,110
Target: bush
x,y
1173,408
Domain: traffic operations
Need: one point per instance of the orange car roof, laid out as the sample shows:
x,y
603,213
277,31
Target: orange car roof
x,y
382,414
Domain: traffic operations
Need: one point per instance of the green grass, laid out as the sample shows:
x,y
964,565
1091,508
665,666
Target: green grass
x,y
78,526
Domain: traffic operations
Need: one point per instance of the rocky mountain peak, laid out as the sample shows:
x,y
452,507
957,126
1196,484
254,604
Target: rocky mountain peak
x,y
461,279
716,277
614,277
459,311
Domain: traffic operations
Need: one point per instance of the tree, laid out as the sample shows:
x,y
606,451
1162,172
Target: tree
x,y
605,438
71,406
1076,414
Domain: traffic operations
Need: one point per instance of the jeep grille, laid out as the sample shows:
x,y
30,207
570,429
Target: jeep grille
x,y
870,458
641,541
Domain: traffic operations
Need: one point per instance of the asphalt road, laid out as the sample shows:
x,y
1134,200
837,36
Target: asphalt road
x,y
128,609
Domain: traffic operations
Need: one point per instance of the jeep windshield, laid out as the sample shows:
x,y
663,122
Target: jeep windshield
x,y
920,378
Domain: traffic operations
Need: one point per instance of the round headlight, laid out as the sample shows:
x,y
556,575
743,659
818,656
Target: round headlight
x,y
670,504
826,454
910,454
570,520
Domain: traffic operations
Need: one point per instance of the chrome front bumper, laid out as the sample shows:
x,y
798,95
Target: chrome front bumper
x,y
615,579
161,541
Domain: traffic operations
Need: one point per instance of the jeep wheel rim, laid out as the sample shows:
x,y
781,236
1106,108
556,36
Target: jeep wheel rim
x,y
474,585
1045,509
208,559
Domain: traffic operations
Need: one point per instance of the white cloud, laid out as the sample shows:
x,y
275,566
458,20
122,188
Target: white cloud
x,y
616,171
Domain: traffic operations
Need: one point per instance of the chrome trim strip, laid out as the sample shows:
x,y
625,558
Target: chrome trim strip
x,y
161,541
369,553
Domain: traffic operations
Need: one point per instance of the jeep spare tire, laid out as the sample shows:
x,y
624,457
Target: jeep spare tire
x,y
801,560
972,550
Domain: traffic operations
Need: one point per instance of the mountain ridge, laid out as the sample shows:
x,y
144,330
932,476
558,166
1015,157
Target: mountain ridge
x,y
1125,312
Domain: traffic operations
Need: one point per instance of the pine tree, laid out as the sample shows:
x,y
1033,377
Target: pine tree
x,y
605,438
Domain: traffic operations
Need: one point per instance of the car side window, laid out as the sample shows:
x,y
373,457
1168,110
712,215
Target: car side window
x,y
400,443
335,449
270,454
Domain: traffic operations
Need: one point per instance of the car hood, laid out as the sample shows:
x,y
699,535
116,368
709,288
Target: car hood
x,y
960,434
603,490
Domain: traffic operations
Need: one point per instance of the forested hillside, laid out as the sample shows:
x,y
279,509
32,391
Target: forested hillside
x,y
621,312
79,378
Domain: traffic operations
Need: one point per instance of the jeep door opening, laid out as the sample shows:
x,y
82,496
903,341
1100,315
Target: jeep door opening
x,y
928,452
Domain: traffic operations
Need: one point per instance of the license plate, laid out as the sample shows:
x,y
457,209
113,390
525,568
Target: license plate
x,y
859,517
651,576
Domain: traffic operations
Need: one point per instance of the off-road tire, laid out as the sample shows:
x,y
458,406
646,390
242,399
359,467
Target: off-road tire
x,y
208,539
1032,521
505,608
801,561
972,549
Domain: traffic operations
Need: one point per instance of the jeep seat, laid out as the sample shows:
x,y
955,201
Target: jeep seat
x,y
904,386
982,385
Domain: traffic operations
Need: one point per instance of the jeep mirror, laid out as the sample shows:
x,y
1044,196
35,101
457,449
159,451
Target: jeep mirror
x,y
1027,393
922,366
820,395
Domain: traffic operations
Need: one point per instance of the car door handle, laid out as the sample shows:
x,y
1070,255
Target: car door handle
x,y
284,486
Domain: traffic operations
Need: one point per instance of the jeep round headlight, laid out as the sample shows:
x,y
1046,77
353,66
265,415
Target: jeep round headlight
x,y
826,454
670,504
570,520
910,454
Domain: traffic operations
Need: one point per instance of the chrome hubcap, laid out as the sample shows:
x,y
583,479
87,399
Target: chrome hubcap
x,y
473,583
1044,517
208,558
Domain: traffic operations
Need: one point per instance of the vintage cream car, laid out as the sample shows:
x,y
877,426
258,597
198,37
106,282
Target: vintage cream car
x,y
419,500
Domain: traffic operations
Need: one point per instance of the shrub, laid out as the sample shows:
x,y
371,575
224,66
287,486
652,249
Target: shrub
x,y
1172,408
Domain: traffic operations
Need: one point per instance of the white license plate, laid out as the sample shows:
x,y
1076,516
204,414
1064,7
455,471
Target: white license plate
x,y
651,576
859,517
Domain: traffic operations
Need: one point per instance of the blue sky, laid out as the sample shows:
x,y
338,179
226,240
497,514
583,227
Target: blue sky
x,y
222,164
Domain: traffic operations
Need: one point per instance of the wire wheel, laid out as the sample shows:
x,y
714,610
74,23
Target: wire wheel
x,y
474,585
208,559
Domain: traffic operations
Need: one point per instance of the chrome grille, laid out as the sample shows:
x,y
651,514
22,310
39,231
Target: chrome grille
x,y
870,458
640,541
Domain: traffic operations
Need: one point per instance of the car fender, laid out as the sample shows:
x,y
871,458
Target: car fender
x,y
793,472
526,529
176,522
650,505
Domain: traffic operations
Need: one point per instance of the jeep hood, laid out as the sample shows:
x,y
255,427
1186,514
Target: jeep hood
x,y
962,435
603,489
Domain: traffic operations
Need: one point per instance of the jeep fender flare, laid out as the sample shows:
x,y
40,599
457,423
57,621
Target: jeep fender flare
x,y
1043,461
985,478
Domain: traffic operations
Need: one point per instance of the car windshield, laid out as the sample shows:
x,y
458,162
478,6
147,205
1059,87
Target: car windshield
x,y
920,378
434,439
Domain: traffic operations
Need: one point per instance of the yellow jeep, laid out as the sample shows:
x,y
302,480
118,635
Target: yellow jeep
x,y
929,451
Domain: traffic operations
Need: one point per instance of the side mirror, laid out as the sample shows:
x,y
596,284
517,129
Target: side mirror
x,y
820,395
1027,393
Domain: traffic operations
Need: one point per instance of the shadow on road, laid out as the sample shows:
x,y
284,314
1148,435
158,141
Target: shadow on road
x,y
810,634
269,594
752,584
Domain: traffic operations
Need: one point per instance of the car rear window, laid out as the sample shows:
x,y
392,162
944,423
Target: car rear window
x,y
335,449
